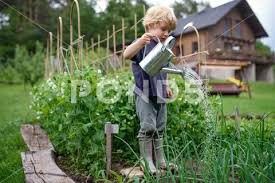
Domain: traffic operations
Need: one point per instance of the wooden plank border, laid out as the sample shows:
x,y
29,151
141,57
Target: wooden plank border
x,y
39,163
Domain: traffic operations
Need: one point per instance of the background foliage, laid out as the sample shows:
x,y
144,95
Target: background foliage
x,y
26,67
30,21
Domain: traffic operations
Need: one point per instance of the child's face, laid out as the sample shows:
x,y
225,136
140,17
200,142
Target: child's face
x,y
161,30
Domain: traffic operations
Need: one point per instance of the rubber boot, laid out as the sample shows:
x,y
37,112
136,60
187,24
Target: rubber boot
x,y
146,153
160,156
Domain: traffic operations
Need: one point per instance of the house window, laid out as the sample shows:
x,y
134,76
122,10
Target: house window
x,y
194,47
182,50
238,29
177,51
236,48
227,26
227,46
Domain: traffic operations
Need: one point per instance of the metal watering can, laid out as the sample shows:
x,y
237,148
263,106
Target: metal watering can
x,y
158,60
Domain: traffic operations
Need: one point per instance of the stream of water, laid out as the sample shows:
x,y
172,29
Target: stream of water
x,y
190,76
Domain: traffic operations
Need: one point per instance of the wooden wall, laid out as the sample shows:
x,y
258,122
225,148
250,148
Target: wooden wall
x,y
212,38
187,41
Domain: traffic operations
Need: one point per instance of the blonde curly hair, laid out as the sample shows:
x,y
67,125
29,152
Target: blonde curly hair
x,y
157,14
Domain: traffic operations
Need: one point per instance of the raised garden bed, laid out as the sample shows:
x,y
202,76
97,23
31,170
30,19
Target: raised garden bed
x,y
224,89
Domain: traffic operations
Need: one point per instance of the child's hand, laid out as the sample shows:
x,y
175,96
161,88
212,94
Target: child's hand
x,y
146,38
169,92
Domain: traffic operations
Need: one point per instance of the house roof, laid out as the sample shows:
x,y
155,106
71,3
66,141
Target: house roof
x,y
211,16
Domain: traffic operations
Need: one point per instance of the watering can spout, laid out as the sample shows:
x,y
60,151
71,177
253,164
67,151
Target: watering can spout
x,y
172,71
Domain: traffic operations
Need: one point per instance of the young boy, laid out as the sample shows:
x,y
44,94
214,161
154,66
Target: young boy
x,y
150,90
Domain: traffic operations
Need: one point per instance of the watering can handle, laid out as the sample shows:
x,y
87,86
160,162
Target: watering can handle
x,y
146,47
157,38
170,42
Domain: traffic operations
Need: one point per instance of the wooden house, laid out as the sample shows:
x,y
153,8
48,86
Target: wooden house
x,y
229,33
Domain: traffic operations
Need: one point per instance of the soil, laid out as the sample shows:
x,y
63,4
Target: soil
x,y
63,164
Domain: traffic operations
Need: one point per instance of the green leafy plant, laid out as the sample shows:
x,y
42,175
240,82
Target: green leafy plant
x,y
77,130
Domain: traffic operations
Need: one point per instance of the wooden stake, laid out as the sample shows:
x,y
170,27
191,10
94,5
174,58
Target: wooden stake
x,y
98,41
86,53
75,3
123,41
93,48
47,59
114,39
109,130
60,46
135,26
51,57
80,48
107,51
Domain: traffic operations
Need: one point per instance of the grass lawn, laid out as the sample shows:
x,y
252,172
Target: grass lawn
x,y
13,111
263,100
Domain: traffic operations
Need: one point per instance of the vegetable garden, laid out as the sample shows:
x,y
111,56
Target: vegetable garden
x,y
240,150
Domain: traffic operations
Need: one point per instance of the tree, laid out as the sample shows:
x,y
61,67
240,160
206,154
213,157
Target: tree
x,y
22,29
118,9
263,49
188,7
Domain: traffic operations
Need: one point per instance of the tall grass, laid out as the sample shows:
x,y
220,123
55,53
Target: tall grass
x,y
243,153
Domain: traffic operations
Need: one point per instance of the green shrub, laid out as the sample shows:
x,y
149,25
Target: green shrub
x,y
10,75
26,67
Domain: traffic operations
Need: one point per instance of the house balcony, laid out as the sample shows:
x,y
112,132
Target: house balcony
x,y
242,55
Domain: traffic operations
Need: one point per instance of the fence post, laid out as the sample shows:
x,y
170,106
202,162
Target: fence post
x,y
92,42
86,53
114,39
93,48
98,41
114,42
51,57
107,51
59,47
47,59
123,41
75,3
135,26
109,130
